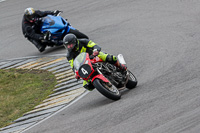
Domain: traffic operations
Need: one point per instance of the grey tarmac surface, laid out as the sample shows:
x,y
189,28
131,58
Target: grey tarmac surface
x,y
160,41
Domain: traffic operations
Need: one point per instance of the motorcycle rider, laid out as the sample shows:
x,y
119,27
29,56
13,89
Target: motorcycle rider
x,y
31,24
76,46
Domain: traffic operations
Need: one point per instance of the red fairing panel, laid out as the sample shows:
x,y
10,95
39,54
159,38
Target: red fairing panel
x,y
100,76
96,59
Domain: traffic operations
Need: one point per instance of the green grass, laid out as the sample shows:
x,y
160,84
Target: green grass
x,y
21,90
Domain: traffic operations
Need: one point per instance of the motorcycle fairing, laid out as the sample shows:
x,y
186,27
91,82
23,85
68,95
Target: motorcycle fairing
x,y
83,66
84,71
97,59
56,25
100,76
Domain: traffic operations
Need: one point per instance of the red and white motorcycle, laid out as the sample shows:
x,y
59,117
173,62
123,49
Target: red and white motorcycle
x,y
105,77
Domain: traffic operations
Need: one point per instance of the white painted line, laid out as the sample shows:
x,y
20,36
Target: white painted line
x,y
56,112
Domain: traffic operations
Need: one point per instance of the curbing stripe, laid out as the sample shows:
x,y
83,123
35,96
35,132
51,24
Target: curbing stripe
x,y
62,70
64,94
67,82
19,64
18,129
58,67
2,63
66,79
9,64
75,100
54,63
65,72
66,86
48,63
66,75
66,91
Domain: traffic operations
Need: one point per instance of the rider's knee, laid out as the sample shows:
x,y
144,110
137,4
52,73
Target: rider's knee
x,y
88,85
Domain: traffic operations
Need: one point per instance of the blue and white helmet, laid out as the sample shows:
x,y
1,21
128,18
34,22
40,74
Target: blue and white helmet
x,y
29,14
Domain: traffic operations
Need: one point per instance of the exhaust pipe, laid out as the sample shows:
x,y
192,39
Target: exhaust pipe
x,y
121,59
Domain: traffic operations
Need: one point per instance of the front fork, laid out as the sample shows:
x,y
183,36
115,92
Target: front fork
x,y
100,76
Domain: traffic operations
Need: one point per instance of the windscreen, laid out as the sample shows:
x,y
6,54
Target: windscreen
x,y
79,60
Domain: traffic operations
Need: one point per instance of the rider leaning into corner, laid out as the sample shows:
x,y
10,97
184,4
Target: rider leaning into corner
x,y
76,46
31,24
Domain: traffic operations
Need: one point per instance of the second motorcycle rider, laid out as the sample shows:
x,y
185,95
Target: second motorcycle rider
x,y
31,25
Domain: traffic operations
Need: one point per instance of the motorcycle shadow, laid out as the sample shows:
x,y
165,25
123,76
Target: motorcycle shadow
x,y
94,100
102,100
99,98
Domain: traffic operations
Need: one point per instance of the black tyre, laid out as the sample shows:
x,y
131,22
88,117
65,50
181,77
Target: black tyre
x,y
78,34
132,82
109,92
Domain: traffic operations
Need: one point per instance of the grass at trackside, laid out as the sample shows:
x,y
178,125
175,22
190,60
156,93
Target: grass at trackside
x,y
21,90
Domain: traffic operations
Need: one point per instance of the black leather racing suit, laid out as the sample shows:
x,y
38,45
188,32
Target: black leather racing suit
x,y
31,31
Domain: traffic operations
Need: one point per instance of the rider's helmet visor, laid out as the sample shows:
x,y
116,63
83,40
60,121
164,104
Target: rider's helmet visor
x,y
70,46
30,18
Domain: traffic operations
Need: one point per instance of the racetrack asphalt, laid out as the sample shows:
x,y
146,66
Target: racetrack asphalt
x,y
160,42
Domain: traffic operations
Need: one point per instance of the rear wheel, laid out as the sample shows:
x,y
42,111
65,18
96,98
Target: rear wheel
x,y
109,91
78,34
132,81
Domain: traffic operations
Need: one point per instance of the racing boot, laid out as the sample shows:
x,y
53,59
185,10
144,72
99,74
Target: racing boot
x,y
88,85
41,47
120,66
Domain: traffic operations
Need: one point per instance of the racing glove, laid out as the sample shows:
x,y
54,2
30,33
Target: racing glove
x,y
56,12
95,52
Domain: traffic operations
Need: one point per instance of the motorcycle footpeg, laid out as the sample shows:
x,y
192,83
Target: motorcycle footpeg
x,y
122,88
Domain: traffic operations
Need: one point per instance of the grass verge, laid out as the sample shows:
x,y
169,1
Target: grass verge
x,y
21,90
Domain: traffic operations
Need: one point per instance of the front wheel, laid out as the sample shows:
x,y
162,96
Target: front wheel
x,y
109,91
132,81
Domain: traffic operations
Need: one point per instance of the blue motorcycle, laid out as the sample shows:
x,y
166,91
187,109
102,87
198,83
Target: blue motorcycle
x,y
56,28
